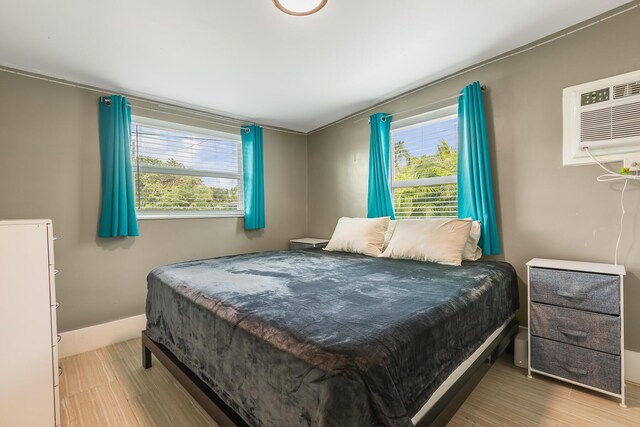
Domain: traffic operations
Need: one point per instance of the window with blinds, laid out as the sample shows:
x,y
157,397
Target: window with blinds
x,y
184,172
424,167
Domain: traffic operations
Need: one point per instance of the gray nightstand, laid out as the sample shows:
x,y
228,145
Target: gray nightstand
x,y
576,323
307,243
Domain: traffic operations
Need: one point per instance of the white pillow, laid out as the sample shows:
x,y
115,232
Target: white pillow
x,y
437,240
471,250
389,233
359,235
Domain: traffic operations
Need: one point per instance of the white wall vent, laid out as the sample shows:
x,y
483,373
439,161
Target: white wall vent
x,y
627,89
604,116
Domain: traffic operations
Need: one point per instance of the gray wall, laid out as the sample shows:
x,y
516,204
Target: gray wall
x,y
544,209
50,168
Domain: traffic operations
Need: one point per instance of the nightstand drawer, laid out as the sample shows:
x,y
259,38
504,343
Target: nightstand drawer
x,y
295,245
307,243
587,291
589,367
591,330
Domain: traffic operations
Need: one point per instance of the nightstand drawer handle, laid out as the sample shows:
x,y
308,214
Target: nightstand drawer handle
x,y
571,295
576,371
573,333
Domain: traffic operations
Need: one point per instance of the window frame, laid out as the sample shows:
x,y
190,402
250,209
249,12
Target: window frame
x,y
434,116
198,132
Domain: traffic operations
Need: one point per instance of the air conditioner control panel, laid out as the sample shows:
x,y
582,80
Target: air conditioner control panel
x,y
594,97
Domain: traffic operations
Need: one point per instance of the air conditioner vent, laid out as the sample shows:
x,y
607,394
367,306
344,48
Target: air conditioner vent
x,y
595,125
626,89
625,120
622,121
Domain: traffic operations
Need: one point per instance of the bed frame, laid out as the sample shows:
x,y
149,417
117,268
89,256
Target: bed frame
x,y
439,415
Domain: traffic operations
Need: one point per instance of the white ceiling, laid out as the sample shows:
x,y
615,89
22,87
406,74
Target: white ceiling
x,y
247,59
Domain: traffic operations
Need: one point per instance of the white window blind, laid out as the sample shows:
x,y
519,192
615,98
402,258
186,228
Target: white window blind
x,y
185,171
424,167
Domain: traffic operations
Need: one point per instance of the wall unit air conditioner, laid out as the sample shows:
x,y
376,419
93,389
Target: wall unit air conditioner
x,y
604,116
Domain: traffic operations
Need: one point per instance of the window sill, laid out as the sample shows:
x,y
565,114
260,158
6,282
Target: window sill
x,y
144,217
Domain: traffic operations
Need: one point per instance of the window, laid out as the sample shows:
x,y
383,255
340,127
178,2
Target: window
x,y
424,157
183,171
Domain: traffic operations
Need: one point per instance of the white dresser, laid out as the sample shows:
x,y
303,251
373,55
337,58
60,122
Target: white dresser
x,y
29,354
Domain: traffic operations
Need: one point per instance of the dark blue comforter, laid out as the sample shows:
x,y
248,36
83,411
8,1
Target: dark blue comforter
x,y
316,338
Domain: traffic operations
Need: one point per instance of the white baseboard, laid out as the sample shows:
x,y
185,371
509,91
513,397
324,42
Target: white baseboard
x,y
632,366
93,337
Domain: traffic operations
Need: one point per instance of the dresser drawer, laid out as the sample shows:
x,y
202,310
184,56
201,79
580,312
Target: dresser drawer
x,y
592,330
587,291
589,367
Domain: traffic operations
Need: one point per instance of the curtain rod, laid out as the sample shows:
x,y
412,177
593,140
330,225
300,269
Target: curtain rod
x,y
210,117
107,100
484,87
473,68
203,120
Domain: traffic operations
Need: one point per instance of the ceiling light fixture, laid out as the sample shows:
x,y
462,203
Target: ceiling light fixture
x,y
300,7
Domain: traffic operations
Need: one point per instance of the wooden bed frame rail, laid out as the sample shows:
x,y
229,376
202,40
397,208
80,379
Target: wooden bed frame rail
x,y
439,414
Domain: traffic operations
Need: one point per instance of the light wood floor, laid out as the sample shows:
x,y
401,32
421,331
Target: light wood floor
x,y
109,387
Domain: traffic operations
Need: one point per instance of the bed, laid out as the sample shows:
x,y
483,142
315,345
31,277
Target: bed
x,y
310,337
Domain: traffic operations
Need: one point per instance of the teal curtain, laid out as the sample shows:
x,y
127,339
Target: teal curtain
x,y
379,196
118,214
475,188
253,174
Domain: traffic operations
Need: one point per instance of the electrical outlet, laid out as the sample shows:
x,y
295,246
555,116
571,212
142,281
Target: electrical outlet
x,y
633,163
